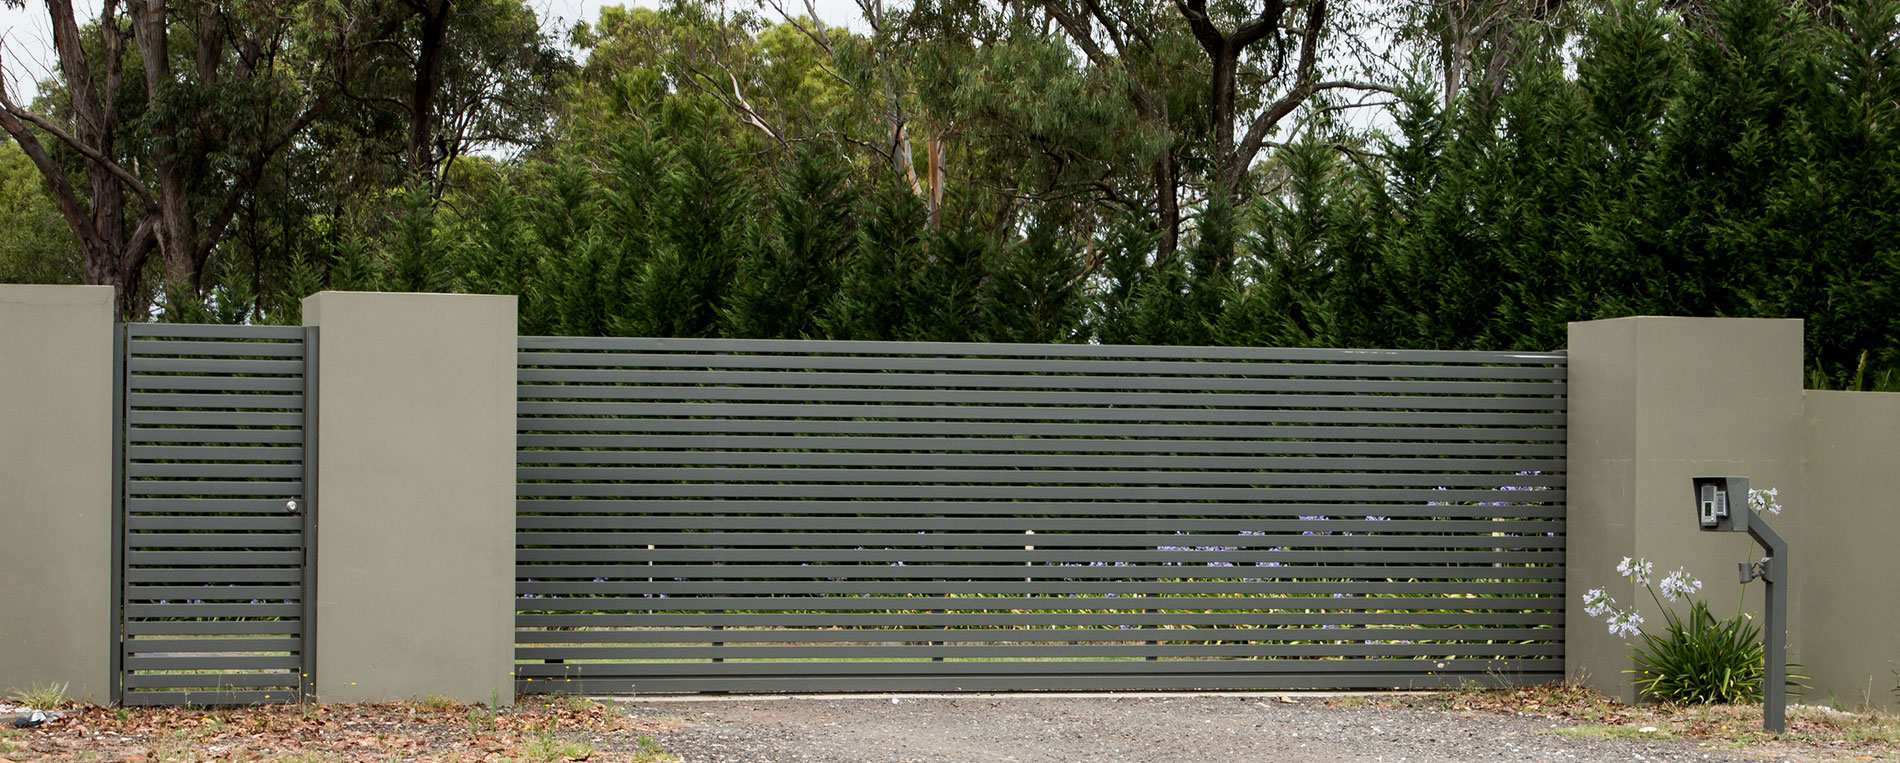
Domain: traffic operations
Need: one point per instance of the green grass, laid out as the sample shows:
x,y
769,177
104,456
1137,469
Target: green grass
x,y
40,696
547,747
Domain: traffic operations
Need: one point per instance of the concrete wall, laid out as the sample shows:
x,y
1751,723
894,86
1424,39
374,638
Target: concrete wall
x,y
415,495
56,479
1654,402
1845,547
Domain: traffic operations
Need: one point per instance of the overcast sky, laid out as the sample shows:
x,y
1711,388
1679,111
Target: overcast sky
x,y
26,40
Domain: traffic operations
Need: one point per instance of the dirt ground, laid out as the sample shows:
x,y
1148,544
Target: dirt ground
x,y
1542,724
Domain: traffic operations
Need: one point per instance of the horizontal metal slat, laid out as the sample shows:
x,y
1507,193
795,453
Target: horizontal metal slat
x,y
193,661
1030,476
1028,681
1045,659
1193,586
140,488
1189,525
204,366
138,469
1021,445
537,458
1023,492
157,540
192,646
582,383
136,557
1041,555
212,593
1008,603
829,621
220,436
213,628
213,331
210,453
139,505
629,578
1145,367
207,575
212,419
148,347
144,382
534,344
1005,507
247,401
285,523
279,681
1228,416
183,609
558,399
1108,544
1038,429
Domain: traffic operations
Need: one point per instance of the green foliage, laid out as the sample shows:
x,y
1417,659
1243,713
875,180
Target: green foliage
x,y
35,246
783,286
873,300
1701,660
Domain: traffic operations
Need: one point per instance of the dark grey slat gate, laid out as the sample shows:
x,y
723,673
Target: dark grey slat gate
x,y
213,574
735,515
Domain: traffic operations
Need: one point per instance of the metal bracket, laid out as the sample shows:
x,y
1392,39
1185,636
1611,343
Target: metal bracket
x,y
1763,570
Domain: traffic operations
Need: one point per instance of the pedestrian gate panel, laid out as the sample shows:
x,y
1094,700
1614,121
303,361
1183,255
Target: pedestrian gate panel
x,y
740,515
213,528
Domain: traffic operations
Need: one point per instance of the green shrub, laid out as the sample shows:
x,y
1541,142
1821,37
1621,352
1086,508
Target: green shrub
x,y
1701,660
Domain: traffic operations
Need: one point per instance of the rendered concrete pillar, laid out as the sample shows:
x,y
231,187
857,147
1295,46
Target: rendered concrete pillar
x,y
1850,526
1654,402
415,495
56,489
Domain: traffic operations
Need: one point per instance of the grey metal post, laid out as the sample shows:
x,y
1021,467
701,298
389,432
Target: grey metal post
x,y
1722,506
1774,622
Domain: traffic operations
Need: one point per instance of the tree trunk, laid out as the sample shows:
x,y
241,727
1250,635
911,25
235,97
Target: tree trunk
x,y
432,51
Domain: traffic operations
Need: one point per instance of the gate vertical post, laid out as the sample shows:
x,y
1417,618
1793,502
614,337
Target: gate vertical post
x,y
416,473
56,489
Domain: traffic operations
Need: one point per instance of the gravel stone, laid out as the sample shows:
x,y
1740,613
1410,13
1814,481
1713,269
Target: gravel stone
x,y
1031,729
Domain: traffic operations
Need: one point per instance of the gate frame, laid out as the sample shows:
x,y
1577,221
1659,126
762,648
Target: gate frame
x,y
121,467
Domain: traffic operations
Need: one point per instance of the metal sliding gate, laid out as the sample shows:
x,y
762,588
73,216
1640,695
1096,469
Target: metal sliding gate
x,y
735,515
213,579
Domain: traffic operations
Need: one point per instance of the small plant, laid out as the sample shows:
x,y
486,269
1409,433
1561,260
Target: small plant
x,y
39,696
1701,660
546,746
438,702
569,702
648,751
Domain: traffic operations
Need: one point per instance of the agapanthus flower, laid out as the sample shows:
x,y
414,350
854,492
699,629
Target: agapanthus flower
x,y
1626,624
1639,571
1680,584
1597,603
1765,500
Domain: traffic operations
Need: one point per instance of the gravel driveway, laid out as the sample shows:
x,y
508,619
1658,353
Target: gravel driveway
x,y
1111,728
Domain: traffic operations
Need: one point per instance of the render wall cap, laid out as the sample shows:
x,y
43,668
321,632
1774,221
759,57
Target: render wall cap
x,y
1685,319
56,294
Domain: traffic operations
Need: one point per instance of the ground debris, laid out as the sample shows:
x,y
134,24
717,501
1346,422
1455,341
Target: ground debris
x,y
435,730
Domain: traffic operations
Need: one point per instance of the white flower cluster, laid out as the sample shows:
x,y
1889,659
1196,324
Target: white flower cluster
x,y
1596,603
1638,571
1765,500
1629,624
1626,624
1680,584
